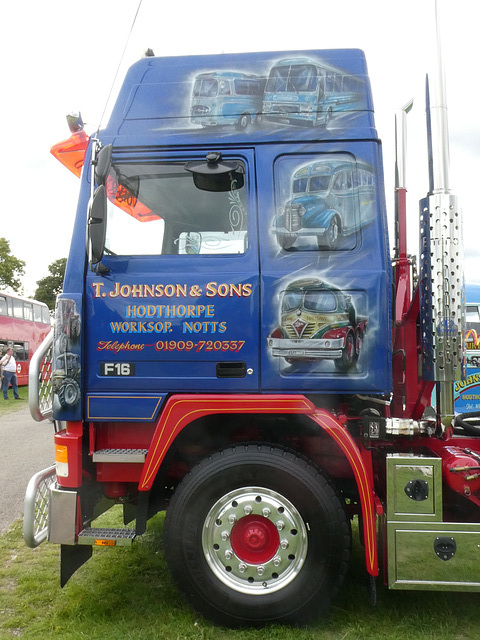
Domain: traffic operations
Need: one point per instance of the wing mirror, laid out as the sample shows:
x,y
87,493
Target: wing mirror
x,y
103,164
97,226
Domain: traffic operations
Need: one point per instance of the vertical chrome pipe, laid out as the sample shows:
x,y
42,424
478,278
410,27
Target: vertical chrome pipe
x,y
401,145
441,255
400,181
440,150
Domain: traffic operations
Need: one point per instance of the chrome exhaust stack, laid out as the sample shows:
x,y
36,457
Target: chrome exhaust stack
x,y
442,298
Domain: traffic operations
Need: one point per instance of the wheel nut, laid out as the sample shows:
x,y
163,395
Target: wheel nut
x,y
247,509
266,512
232,519
224,535
277,561
242,567
260,570
284,544
280,525
228,554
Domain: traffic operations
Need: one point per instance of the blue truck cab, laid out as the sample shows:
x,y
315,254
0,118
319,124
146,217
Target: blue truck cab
x,y
190,261
226,300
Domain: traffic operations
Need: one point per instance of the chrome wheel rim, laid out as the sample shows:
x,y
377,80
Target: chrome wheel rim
x,y
254,540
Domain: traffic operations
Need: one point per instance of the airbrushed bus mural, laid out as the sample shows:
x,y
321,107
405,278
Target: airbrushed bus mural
x,y
227,97
304,91
296,91
331,200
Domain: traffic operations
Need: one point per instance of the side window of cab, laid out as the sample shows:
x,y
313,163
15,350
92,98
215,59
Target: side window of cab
x,y
167,208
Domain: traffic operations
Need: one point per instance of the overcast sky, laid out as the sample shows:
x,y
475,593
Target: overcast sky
x,y
59,57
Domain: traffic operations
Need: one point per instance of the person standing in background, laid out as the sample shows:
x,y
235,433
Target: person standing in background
x,y
9,374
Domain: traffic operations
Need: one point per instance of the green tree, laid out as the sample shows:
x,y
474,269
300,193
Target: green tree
x,y
11,268
49,287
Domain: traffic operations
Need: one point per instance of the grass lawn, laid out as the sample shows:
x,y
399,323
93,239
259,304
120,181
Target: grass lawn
x,y
127,593
11,405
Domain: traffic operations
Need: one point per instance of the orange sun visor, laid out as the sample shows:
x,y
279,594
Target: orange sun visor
x,y
126,201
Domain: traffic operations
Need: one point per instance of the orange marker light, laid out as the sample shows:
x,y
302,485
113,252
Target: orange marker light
x,y
61,460
61,453
105,543
71,152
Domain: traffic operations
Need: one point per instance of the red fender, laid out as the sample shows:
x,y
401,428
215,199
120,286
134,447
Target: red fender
x,y
346,443
181,410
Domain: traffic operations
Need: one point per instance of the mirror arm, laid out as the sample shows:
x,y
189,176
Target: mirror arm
x,y
96,226
99,268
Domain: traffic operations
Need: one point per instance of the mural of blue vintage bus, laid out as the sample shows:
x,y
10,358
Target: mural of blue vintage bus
x,y
332,199
227,98
306,92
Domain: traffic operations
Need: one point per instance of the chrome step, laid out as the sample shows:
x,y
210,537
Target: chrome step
x,y
106,537
120,455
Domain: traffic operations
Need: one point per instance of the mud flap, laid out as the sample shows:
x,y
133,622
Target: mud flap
x,y
71,559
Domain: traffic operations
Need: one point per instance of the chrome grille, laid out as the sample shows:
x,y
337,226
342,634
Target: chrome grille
x,y
308,332
293,217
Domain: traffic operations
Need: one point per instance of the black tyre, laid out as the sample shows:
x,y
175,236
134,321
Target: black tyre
x,y
256,534
243,121
330,240
359,337
328,116
348,358
69,393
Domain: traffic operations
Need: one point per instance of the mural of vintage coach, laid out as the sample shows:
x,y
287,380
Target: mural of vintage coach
x,y
305,92
227,98
332,199
295,91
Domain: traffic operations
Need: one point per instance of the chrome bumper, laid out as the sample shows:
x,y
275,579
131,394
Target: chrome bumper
x,y
36,507
308,349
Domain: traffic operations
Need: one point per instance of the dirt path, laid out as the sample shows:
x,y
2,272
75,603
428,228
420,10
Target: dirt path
x,y
26,447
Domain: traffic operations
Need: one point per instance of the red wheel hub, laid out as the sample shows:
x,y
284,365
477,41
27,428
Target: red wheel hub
x,y
254,539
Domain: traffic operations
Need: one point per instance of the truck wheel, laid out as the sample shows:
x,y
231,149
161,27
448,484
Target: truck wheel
x,y
330,240
348,359
328,116
62,344
243,121
255,534
69,392
358,344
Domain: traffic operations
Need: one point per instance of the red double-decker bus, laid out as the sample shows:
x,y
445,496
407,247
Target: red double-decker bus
x,y
24,323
